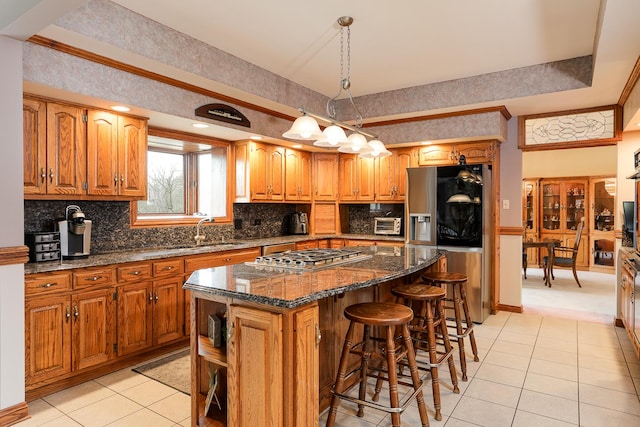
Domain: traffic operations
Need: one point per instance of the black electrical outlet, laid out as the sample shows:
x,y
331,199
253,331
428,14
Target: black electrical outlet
x,y
237,224
257,221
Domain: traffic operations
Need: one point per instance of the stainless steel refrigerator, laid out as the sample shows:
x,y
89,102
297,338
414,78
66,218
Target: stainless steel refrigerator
x,y
450,207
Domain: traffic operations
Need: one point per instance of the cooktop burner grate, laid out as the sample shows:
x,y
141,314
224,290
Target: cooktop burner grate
x,y
309,259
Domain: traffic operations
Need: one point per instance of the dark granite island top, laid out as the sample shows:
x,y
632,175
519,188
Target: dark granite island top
x,y
288,288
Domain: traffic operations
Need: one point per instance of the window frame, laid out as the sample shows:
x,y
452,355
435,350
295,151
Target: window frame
x,y
168,220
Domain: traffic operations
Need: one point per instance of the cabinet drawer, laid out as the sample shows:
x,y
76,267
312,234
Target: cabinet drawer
x,y
220,258
134,272
45,283
168,267
92,277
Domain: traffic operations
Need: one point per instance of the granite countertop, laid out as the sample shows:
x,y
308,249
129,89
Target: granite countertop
x,y
160,253
290,288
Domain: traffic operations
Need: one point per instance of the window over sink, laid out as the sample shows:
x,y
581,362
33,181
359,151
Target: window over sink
x,y
187,177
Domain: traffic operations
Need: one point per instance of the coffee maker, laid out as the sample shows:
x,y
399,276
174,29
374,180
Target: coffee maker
x,y
75,234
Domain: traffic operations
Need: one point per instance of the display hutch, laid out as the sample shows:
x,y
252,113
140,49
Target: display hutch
x,y
602,224
530,216
563,204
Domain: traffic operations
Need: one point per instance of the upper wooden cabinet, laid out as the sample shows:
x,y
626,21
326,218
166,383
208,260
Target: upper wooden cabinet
x,y
54,148
448,154
260,172
116,155
356,178
325,180
297,175
391,175
66,156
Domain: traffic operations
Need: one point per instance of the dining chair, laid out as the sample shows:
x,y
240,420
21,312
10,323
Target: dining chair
x,y
524,252
564,256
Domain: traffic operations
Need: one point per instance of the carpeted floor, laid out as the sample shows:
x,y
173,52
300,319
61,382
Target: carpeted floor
x,y
595,301
173,370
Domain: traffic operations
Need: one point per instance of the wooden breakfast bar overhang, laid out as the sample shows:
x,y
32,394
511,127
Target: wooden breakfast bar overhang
x,y
282,332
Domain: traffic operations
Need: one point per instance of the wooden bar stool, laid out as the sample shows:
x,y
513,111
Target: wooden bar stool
x,y
389,317
429,323
457,302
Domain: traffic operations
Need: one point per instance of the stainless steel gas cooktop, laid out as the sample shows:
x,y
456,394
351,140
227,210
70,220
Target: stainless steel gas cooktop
x,y
309,259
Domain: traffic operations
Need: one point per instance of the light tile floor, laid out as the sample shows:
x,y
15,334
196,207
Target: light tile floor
x,y
533,371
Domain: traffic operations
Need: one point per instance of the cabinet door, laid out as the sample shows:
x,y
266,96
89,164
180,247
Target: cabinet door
x,y
306,385
255,384
366,179
94,324
385,174
259,172
135,330
243,169
292,189
348,180
575,205
326,176
403,158
47,338
132,157
479,152
435,155
304,176
275,171
550,207
102,153
66,156
168,310
34,140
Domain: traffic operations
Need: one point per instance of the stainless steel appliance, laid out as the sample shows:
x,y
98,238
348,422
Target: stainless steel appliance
x,y
387,226
298,223
449,207
75,234
309,259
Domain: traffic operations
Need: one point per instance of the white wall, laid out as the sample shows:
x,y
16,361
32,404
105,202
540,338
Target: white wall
x,y
12,225
590,161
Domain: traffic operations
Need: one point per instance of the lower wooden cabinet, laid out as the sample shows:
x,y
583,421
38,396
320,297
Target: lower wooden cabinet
x,y
93,334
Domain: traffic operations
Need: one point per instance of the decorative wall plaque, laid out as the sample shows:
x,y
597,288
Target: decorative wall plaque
x,y
223,113
570,129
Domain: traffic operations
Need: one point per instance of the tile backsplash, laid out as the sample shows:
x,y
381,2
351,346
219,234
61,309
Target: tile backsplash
x,y
111,229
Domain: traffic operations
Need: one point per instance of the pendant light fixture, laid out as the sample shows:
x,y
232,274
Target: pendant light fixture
x,y
306,127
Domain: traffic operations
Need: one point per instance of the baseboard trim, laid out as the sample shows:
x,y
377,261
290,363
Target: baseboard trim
x,y
14,414
510,308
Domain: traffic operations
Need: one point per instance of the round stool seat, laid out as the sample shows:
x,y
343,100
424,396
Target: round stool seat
x,y
419,292
445,277
379,313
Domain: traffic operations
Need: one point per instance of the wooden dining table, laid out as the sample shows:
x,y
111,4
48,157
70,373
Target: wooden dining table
x,y
549,244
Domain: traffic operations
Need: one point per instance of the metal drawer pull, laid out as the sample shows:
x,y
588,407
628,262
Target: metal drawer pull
x,y
318,335
135,273
68,314
227,259
168,268
93,279
76,313
48,285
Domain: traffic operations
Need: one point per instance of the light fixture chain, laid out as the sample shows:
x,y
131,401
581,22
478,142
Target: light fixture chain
x,y
349,54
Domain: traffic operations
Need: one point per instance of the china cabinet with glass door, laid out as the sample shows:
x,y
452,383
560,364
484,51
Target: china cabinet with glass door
x,y
530,217
602,224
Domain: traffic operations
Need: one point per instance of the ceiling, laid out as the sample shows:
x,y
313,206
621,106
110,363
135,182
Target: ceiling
x,y
420,43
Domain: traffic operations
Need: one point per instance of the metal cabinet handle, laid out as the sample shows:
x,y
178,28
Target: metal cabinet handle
x,y
150,297
168,268
93,279
156,297
50,174
227,259
135,273
43,175
121,179
48,285
230,331
115,179
318,335
68,314
76,313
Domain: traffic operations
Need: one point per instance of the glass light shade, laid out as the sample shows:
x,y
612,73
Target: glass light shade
x,y
459,198
357,144
305,128
377,150
332,136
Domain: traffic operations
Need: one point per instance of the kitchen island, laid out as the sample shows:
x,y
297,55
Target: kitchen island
x,y
282,332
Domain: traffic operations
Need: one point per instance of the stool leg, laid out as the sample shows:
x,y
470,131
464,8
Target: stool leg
x,y
393,375
457,307
433,359
467,317
440,313
415,376
364,368
342,370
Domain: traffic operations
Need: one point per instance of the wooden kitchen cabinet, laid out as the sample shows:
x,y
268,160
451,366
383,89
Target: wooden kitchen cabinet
x,y
297,175
54,142
267,165
356,178
325,179
391,176
309,244
449,154
116,155
93,334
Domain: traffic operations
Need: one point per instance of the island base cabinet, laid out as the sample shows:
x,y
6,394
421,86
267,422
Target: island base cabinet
x,y
267,365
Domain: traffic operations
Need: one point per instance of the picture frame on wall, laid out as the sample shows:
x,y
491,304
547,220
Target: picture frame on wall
x,y
587,127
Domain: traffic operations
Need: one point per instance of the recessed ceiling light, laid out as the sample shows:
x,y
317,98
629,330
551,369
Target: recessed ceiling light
x,y
200,125
296,146
256,137
120,108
